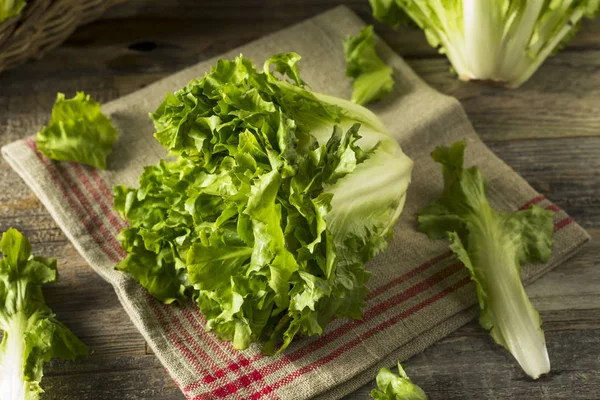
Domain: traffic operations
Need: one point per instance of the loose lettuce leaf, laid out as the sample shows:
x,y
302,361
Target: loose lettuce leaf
x,y
32,335
396,387
10,8
276,199
371,77
77,131
493,245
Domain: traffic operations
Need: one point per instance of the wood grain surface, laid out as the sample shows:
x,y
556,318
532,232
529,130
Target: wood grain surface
x,y
548,131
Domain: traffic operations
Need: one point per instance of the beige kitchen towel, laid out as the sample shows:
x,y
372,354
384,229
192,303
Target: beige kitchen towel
x,y
419,292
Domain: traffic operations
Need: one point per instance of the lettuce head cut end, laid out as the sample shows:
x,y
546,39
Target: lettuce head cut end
x,y
277,198
504,41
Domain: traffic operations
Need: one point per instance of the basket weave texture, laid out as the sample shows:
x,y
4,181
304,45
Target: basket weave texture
x,y
43,25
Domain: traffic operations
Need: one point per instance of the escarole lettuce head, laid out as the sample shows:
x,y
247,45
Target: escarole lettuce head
x,y
32,335
492,245
499,40
275,202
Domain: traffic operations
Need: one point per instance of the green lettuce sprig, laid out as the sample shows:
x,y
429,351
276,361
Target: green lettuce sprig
x,y
493,245
371,77
32,335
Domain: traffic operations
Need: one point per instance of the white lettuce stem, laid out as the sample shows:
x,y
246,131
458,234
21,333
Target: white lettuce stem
x,y
547,49
503,45
483,33
490,52
12,382
452,40
514,48
516,323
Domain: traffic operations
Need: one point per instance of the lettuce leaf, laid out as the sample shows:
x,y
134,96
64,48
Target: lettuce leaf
x,y
10,8
371,77
276,199
396,387
493,245
32,335
78,131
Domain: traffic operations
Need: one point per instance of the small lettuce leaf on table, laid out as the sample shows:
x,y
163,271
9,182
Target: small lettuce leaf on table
x,y
371,77
276,199
78,131
32,335
396,387
493,245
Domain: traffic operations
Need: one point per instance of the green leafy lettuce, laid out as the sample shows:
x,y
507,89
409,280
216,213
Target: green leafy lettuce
x,y
396,387
503,40
32,335
371,77
10,8
493,245
78,131
277,198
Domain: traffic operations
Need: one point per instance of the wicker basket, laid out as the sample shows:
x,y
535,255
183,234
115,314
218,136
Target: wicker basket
x,y
43,25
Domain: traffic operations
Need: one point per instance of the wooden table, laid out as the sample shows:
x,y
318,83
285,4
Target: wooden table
x,y
548,131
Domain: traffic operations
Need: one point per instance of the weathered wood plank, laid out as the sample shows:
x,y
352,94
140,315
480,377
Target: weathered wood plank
x,y
560,100
565,170
251,19
474,368
101,378
284,12
112,69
